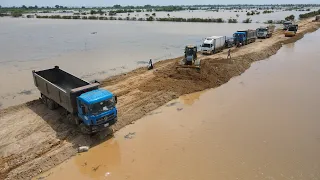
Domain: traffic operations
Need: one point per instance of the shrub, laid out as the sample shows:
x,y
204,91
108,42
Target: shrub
x,y
93,12
290,18
55,17
267,11
150,18
120,18
16,13
232,20
248,20
93,17
101,18
220,20
76,17
66,17
84,17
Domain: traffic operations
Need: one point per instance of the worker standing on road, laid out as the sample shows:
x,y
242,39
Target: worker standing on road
x,y
150,66
229,54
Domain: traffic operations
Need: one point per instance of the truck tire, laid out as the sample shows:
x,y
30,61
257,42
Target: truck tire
x,y
84,129
51,104
44,99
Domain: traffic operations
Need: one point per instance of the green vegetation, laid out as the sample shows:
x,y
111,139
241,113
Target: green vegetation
x,y
248,20
267,12
251,13
310,14
290,18
93,17
150,18
274,22
16,13
169,8
231,20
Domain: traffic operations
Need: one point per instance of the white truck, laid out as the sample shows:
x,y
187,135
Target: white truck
x,y
213,44
265,32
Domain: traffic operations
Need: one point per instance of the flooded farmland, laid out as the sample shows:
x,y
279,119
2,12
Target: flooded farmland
x,y
98,49
260,125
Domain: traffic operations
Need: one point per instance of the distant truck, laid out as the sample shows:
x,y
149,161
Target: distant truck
x,y
87,106
245,37
229,42
265,32
213,44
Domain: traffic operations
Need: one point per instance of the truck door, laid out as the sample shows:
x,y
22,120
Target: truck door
x,y
83,113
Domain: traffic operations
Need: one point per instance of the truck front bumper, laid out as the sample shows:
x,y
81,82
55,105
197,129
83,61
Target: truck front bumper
x,y
97,128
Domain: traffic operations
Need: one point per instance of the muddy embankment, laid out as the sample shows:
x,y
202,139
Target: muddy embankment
x,y
33,139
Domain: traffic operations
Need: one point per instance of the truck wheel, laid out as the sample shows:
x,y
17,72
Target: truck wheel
x,y
51,104
44,99
84,129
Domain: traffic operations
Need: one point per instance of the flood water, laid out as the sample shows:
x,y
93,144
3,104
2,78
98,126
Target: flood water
x,y
94,50
263,124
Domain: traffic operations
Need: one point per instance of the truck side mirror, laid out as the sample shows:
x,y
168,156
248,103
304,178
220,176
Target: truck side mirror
x,y
116,99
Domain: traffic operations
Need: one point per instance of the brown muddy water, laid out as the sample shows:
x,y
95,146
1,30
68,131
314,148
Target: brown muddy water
x,y
263,124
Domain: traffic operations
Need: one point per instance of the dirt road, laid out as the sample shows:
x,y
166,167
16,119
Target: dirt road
x,y
33,139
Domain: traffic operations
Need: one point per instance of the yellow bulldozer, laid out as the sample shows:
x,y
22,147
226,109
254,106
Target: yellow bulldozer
x,y
190,59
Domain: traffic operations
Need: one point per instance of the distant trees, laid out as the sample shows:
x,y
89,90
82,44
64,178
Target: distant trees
x,y
232,20
248,20
310,14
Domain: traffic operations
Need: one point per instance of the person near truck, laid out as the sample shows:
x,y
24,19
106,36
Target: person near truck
x,y
229,54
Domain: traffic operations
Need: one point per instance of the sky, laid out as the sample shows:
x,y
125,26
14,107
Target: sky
x,y
143,2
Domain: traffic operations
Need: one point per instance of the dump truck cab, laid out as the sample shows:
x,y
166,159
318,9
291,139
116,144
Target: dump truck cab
x,y
262,32
240,37
97,107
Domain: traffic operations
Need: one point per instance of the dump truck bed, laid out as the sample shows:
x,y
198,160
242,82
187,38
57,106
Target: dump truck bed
x,y
61,87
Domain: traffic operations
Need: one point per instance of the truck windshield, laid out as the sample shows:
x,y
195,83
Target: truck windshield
x,y
262,30
102,106
206,45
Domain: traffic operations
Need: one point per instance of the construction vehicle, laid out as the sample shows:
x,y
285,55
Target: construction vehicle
x,y
87,106
286,24
190,59
245,37
265,32
213,44
291,31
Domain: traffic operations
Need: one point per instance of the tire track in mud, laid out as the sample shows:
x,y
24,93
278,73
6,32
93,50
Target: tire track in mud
x,y
33,140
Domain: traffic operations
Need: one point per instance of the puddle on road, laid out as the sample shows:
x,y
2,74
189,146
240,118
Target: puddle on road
x,y
261,125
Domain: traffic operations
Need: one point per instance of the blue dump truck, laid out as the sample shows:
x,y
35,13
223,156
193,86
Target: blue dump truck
x,y
87,106
245,37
